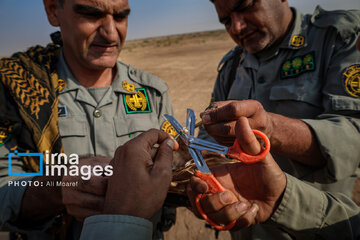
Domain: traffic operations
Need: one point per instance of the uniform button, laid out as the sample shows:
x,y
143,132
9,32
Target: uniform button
x,y
261,80
97,113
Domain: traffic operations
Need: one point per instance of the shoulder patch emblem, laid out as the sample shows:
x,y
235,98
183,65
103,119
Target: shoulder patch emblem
x,y
4,135
128,86
168,128
352,80
297,40
138,102
298,65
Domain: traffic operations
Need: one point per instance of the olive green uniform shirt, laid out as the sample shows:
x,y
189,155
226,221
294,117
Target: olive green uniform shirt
x,y
95,122
312,75
323,215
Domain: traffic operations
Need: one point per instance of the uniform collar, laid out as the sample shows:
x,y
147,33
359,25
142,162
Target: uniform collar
x,y
298,30
124,73
65,73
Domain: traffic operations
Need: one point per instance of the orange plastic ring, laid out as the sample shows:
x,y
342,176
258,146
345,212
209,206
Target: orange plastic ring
x,y
212,223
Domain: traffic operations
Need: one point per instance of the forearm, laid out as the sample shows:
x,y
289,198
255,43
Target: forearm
x,y
318,213
292,138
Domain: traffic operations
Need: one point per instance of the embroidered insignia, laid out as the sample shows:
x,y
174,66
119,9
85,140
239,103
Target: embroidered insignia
x,y
352,80
168,128
297,41
128,86
4,135
62,111
138,102
298,65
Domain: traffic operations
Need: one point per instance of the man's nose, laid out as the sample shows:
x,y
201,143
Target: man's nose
x,y
108,29
238,23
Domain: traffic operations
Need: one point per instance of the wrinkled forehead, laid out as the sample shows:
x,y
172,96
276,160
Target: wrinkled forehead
x,y
110,6
228,4
225,7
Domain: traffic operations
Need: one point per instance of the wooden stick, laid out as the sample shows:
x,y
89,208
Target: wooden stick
x,y
198,124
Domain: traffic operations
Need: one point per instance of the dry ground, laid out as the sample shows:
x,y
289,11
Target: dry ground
x,y
187,63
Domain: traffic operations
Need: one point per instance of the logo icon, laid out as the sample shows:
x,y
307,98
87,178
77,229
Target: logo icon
x,y
17,154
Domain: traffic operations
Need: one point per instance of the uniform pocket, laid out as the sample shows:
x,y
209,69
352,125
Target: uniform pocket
x,y
74,135
297,90
72,126
297,98
129,127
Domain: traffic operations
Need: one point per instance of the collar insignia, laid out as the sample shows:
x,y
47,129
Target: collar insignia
x,y
297,40
128,86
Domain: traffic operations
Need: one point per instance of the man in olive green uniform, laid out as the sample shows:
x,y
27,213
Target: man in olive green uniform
x,y
99,104
303,72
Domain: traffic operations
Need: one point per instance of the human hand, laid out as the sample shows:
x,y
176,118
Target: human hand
x,y
219,121
253,191
87,197
142,175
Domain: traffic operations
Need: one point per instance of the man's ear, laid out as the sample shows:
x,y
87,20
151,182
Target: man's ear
x,y
51,8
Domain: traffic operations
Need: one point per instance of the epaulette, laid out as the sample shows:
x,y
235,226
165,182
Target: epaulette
x,y
230,55
346,22
146,79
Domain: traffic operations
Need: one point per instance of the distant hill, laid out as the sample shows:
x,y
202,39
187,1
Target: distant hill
x,y
166,41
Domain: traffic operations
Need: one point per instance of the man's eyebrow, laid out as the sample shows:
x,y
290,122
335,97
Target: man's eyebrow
x,y
81,8
236,7
122,14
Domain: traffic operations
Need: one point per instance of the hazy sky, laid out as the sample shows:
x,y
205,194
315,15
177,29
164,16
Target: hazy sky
x,y
23,23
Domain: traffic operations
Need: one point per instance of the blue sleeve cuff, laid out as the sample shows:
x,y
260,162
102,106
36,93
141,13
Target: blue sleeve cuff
x,y
116,227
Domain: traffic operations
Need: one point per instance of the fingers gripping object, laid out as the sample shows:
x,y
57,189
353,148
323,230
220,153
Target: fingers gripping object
x,y
195,145
236,152
213,187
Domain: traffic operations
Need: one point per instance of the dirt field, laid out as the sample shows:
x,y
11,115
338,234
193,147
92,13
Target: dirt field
x,y
187,63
